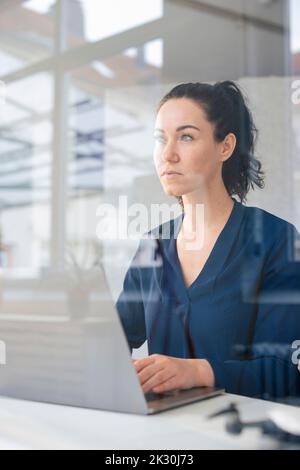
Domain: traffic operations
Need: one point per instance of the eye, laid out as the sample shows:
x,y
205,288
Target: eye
x,y
159,138
187,137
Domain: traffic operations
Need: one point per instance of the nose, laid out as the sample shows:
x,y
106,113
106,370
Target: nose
x,y
169,153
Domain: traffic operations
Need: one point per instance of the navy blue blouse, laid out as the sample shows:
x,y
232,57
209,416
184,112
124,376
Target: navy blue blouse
x,y
242,313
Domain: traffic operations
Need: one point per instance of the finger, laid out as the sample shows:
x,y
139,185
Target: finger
x,y
149,371
146,361
158,379
170,384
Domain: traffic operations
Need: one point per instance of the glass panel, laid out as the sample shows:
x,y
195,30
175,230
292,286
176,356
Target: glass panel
x,y
85,165
89,21
26,33
25,175
109,140
295,89
294,25
111,110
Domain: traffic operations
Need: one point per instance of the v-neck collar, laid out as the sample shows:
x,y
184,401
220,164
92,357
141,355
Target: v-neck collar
x,y
218,255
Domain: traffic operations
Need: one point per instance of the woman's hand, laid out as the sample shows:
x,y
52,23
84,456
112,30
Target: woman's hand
x,y
159,373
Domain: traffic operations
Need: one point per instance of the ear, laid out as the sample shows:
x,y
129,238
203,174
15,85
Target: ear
x,y
228,146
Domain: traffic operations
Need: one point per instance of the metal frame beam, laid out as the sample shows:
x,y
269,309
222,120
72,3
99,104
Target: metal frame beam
x,y
60,148
70,59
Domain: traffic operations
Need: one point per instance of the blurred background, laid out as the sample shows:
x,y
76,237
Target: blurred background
x,y
80,81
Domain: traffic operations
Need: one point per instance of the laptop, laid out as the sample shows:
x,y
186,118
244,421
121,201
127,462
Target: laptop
x,y
62,342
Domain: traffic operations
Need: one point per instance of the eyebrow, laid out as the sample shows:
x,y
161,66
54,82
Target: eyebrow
x,y
180,128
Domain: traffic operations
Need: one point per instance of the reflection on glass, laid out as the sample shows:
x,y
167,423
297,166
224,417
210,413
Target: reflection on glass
x,y
110,139
295,60
56,328
25,173
27,33
110,122
89,21
294,21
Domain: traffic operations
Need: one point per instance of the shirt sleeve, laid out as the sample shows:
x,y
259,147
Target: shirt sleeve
x,y
130,305
267,369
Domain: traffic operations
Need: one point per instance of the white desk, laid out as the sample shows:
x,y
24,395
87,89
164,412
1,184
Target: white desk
x,y
30,425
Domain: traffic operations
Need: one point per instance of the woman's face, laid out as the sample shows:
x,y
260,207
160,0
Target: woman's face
x,y
187,157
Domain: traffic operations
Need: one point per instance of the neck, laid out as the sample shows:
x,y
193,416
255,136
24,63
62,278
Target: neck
x,y
210,209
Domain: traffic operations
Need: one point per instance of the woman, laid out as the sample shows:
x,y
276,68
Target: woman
x,y
215,312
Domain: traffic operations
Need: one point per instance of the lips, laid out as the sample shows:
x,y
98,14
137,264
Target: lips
x,y
170,172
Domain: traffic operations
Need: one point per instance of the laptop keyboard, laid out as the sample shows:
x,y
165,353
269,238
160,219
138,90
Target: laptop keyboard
x,y
150,396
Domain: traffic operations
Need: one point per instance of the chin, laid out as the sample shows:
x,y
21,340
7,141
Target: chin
x,y
173,192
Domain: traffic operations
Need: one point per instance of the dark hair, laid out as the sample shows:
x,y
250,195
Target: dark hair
x,y
225,107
